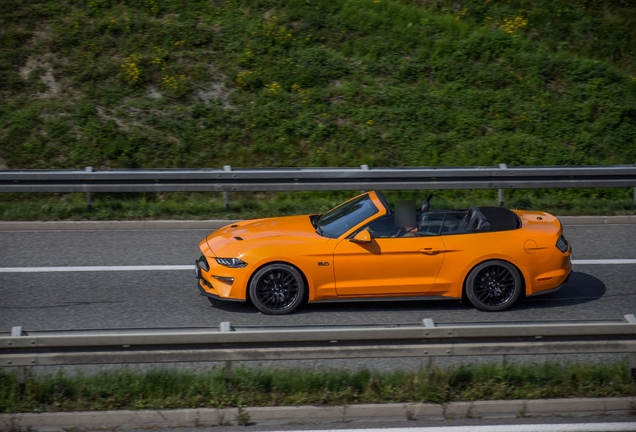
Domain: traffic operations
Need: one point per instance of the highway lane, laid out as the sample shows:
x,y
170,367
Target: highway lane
x,y
69,300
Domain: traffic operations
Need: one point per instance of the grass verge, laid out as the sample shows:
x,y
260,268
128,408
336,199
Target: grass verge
x,y
247,205
166,389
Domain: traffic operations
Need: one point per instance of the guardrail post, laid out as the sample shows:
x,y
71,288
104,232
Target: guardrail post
x,y
429,322
226,327
631,366
226,195
228,375
89,200
18,332
500,192
364,167
631,371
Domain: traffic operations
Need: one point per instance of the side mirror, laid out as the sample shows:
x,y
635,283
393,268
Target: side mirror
x,y
363,236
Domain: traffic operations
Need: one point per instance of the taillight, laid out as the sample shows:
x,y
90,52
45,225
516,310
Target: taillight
x,y
562,244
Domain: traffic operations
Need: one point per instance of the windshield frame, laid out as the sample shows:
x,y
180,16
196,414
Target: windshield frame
x,y
346,218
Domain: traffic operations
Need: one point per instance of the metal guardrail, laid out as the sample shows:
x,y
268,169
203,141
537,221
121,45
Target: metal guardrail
x,y
227,343
296,179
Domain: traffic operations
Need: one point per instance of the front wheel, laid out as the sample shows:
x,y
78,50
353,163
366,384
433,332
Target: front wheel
x,y
277,289
493,286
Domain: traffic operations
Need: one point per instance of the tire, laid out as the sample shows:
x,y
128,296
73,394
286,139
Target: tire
x,y
277,289
493,286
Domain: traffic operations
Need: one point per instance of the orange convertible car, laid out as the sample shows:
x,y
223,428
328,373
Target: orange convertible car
x,y
362,250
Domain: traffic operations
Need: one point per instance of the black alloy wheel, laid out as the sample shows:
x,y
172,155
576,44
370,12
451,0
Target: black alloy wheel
x,y
277,289
493,286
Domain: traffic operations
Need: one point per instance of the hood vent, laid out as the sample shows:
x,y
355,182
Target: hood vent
x,y
239,238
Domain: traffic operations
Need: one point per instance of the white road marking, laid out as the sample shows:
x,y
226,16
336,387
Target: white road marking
x,y
573,427
605,261
191,267
93,269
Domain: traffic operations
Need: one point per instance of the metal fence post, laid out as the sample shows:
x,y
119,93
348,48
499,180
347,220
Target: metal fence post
x,y
224,328
631,367
226,195
431,369
500,192
364,167
17,332
631,372
228,375
429,322
89,199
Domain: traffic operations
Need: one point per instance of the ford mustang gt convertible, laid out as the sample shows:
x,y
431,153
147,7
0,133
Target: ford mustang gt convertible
x,y
362,250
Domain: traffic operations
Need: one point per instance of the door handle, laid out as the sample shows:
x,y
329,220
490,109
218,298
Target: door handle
x,y
429,251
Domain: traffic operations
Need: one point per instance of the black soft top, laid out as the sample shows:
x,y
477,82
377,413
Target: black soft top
x,y
500,218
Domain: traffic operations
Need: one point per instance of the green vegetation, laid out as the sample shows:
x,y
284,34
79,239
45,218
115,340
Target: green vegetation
x,y
50,207
164,389
166,83
169,83
600,29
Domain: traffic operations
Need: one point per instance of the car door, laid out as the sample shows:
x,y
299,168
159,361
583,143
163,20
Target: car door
x,y
387,266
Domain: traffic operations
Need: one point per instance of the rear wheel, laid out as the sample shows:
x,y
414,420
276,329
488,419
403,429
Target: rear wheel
x,y
277,289
493,286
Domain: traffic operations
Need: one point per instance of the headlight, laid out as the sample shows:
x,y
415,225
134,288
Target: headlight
x,y
203,263
562,244
231,262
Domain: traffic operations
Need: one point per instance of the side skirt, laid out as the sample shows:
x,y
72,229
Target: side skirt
x,y
382,299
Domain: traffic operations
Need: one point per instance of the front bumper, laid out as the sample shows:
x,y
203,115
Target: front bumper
x,y
207,289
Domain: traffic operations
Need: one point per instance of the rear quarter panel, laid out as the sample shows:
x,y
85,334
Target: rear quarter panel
x,y
548,267
531,248
465,251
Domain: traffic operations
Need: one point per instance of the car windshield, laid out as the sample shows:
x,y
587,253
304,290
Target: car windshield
x,y
339,220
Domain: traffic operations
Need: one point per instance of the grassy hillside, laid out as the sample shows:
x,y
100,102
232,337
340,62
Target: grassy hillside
x,y
205,83
600,29
171,83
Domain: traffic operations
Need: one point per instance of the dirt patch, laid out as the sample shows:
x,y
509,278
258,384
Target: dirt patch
x,y
101,112
153,93
48,78
215,89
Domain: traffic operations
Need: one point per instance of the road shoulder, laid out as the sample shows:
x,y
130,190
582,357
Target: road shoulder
x,y
123,419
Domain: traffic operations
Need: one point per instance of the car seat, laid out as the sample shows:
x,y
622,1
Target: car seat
x,y
474,221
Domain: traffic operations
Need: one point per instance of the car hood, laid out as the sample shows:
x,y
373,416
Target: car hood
x,y
288,229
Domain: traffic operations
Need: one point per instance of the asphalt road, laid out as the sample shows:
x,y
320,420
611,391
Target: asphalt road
x,y
125,299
